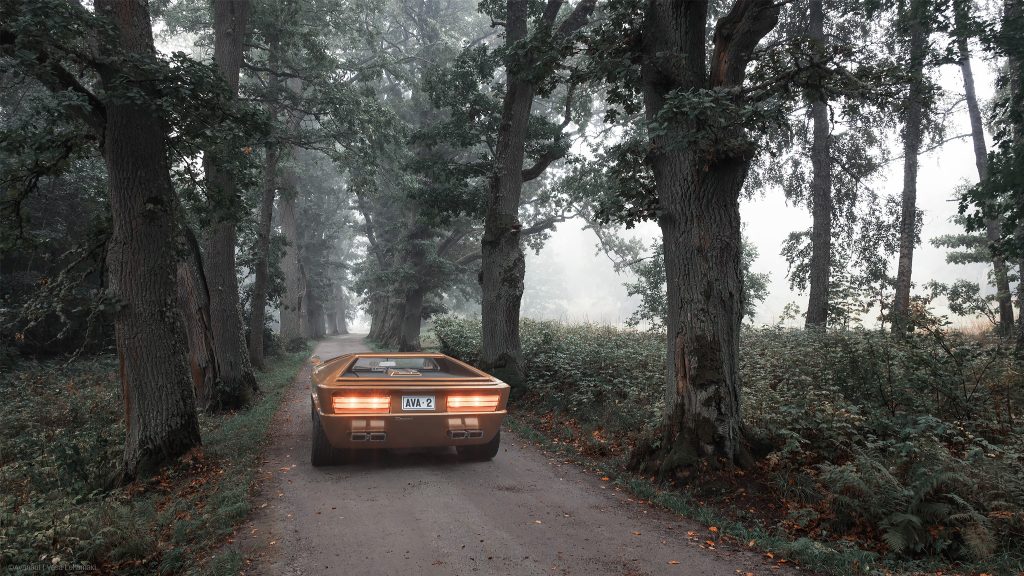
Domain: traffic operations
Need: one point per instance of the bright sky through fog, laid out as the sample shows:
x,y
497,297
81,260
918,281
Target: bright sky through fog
x,y
582,286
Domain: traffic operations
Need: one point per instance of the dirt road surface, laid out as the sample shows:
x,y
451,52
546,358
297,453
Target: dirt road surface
x,y
526,512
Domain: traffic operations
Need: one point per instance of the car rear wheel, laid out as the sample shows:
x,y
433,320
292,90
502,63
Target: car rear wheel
x,y
480,452
321,451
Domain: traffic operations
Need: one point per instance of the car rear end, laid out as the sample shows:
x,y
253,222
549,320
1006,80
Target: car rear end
x,y
395,411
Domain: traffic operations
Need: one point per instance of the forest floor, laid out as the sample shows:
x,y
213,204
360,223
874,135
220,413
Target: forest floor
x,y
526,512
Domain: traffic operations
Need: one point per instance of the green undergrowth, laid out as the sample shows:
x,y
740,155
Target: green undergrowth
x,y
61,431
874,453
830,559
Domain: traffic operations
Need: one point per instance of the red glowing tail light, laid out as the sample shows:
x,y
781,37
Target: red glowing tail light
x,y
473,402
361,404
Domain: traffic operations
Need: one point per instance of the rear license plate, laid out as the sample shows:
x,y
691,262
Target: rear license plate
x,y
413,403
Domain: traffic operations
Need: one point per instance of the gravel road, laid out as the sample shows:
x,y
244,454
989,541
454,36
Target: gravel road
x,y
526,512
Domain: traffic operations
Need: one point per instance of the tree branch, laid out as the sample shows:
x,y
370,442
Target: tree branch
x,y
577,19
57,78
473,257
546,224
551,9
736,36
542,163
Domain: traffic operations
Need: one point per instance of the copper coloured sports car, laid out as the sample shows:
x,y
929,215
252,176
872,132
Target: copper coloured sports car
x,y
404,400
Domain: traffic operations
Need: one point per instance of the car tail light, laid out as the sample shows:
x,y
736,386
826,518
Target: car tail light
x,y
473,402
361,404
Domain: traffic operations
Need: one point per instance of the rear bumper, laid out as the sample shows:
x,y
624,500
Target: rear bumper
x,y
410,430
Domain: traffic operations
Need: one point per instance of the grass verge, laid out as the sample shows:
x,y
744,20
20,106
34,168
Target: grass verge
x,y
57,443
777,546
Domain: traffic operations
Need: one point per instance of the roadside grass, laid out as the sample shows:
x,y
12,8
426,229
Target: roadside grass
x,y
834,558
875,454
777,547
61,430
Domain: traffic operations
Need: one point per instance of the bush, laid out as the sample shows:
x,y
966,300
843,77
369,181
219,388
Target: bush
x,y
599,375
61,437
911,445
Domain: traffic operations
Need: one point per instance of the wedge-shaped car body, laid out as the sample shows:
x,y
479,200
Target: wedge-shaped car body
x,y
404,400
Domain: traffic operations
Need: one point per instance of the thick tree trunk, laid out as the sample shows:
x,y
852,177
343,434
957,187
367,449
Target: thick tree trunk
x,y
258,309
821,191
503,266
237,382
913,121
292,309
313,327
194,303
160,409
698,193
332,321
390,333
412,319
341,311
700,225
992,221
377,310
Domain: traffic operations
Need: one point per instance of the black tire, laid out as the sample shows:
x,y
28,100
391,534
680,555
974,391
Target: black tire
x,y
480,452
321,452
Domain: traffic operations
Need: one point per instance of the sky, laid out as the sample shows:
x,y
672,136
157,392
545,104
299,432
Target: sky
x,y
581,285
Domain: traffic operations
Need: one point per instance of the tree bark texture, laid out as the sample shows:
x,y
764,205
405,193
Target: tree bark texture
x,y
258,309
194,303
313,327
503,266
160,409
237,383
993,225
503,263
1013,12
292,305
698,192
821,190
391,325
412,319
341,311
912,128
375,309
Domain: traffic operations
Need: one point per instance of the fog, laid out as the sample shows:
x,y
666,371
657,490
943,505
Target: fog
x,y
570,280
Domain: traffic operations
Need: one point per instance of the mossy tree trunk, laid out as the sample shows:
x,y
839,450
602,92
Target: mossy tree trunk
x,y
698,189
160,408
